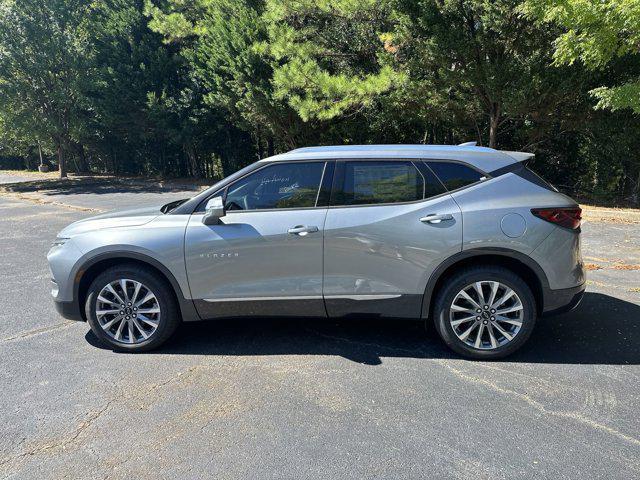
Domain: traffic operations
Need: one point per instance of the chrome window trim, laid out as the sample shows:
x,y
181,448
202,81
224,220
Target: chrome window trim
x,y
424,180
487,176
324,169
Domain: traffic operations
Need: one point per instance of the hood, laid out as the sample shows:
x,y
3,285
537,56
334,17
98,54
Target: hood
x,y
126,218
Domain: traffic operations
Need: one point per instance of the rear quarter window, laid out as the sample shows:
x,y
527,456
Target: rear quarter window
x,y
528,174
455,175
524,171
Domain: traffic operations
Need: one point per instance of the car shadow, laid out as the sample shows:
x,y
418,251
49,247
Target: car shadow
x,y
602,330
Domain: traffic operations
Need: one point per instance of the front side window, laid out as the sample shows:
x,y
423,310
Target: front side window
x,y
455,175
374,182
286,185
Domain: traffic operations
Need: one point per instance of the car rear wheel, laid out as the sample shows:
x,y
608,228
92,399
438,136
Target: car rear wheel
x,y
130,309
485,312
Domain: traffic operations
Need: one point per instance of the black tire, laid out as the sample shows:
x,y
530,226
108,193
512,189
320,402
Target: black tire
x,y
169,317
459,281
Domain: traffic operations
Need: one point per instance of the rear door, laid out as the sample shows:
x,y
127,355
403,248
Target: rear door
x,y
265,256
390,224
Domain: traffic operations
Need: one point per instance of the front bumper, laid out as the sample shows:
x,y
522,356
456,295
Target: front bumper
x,y
69,310
563,300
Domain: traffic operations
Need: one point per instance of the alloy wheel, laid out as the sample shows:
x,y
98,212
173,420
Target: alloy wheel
x,y
486,314
128,311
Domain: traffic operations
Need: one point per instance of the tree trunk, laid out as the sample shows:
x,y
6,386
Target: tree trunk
x,y
271,151
40,153
192,157
259,144
83,166
62,165
494,121
635,197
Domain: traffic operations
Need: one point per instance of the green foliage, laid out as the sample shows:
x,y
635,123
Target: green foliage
x,y
328,56
595,33
480,63
44,62
203,87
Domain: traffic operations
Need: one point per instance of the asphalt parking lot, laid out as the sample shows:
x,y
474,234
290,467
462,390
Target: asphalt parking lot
x,y
312,399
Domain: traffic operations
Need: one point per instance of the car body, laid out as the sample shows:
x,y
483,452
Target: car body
x,y
377,230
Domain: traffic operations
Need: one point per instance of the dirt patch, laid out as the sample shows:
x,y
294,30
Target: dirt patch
x,y
31,173
627,216
52,184
592,266
41,201
69,192
623,266
75,183
614,264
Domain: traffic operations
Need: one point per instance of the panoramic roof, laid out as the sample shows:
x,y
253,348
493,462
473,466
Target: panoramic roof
x,y
484,158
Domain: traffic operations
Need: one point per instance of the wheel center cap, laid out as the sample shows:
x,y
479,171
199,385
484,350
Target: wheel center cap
x,y
128,310
486,315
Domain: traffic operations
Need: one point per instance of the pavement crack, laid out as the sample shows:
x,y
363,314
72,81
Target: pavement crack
x,y
541,407
38,331
63,443
90,419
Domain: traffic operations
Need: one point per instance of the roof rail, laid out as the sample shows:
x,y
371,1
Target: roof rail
x,y
468,144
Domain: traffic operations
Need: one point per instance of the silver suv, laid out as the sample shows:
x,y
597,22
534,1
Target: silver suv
x,y
465,237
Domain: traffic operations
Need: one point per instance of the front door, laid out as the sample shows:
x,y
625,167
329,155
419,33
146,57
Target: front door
x,y
390,225
265,256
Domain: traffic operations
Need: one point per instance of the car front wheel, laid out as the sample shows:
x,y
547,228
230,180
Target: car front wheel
x,y
130,309
485,312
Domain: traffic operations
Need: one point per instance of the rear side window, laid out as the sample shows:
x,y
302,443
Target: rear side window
x,y
379,182
455,175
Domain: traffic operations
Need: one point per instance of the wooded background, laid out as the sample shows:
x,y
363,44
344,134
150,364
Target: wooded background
x,y
181,88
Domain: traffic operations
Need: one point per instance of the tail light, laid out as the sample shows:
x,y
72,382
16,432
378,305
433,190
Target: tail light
x,y
564,217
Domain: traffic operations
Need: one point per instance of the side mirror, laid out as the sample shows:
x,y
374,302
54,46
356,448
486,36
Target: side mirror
x,y
214,211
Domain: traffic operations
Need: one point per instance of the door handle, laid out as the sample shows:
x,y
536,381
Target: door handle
x,y
435,218
302,230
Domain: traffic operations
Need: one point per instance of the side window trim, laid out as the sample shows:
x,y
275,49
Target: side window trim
x,y
338,181
324,170
326,184
420,165
333,173
424,181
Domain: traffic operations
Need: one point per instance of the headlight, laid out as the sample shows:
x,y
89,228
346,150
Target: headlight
x,y
59,241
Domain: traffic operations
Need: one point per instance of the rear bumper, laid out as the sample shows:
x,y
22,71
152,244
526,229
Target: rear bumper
x,y
562,300
69,310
